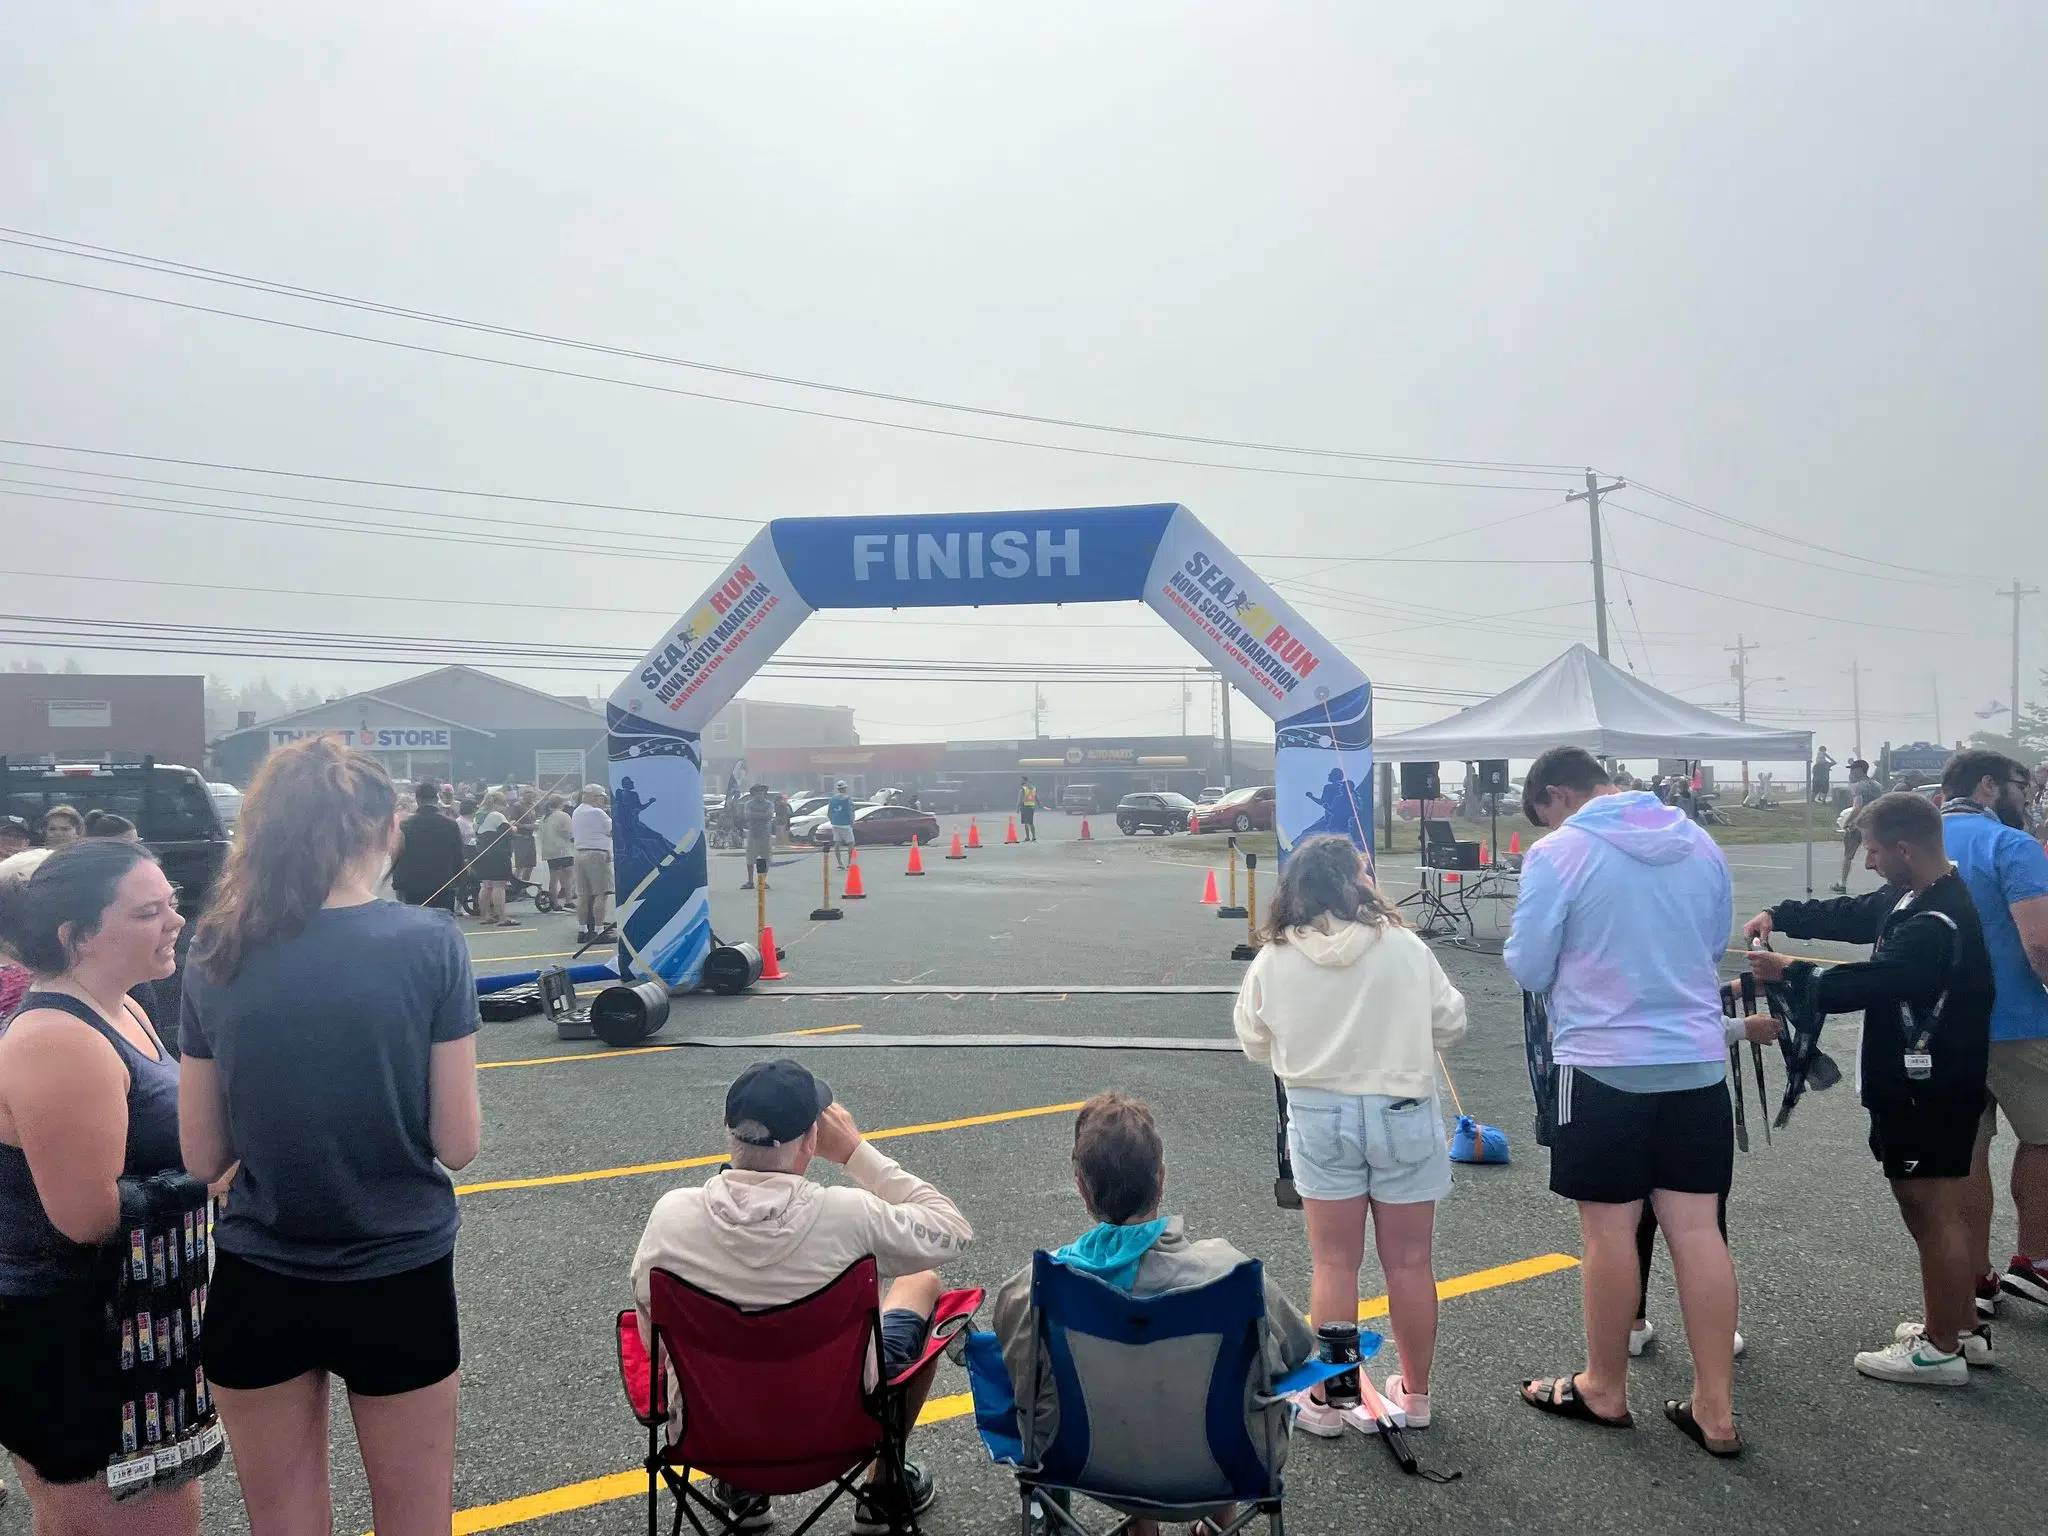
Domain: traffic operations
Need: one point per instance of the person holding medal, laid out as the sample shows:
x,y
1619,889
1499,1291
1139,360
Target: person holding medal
x,y
1926,994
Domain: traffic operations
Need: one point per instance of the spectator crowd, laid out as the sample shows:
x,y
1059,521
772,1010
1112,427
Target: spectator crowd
x,y
322,1084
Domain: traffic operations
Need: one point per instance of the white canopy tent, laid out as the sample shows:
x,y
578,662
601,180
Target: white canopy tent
x,y
1584,700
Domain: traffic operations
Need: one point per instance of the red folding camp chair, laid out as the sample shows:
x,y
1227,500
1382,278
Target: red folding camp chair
x,y
774,1401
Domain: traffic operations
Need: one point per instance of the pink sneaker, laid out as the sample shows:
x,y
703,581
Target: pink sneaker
x,y
1413,1406
1316,1418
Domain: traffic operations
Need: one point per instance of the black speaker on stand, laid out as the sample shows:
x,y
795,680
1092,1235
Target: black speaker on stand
x,y
1493,783
1419,782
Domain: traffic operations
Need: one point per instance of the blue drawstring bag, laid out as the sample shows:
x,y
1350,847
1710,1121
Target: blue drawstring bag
x,y
1476,1143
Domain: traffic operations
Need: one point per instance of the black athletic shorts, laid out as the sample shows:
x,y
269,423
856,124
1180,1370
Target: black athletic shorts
x,y
1933,1138
394,1334
1613,1147
60,1386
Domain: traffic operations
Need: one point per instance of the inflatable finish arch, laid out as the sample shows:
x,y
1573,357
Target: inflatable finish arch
x,y
796,566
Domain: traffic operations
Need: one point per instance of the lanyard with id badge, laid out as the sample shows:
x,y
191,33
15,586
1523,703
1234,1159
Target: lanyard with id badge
x,y
1919,1059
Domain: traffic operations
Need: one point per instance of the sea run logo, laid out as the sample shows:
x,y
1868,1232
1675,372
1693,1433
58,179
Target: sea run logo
x,y
704,639
1207,591
1006,555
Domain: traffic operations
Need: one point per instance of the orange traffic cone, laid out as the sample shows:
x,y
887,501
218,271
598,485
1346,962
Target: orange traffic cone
x,y
1454,880
1485,853
1086,835
973,833
916,865
1514,843
957,851
1011,835
855,890
771,965
1209,896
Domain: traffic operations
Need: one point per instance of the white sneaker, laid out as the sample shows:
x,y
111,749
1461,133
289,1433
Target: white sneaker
x,y
1974,1346
1361,1419
1915,1361
1640,1339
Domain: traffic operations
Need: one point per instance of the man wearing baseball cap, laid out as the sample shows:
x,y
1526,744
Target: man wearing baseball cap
x,y
760,1234
14,836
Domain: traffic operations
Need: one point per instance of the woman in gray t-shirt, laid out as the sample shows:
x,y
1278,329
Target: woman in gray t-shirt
x,y
330,1050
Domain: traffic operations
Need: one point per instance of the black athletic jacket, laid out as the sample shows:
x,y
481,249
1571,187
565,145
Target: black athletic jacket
x,y
1917,954
429,857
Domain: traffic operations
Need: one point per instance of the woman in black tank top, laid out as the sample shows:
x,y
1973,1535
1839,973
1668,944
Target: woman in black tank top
x,y
88,1113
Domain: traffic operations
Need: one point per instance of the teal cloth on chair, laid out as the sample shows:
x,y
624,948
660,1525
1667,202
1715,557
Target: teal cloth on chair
x,y
1111,1254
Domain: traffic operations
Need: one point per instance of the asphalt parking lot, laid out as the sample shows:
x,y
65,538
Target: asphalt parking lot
x,y
579,1141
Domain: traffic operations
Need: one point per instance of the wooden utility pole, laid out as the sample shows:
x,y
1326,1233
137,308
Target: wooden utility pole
x,y
2016,592
1591,497
1739,670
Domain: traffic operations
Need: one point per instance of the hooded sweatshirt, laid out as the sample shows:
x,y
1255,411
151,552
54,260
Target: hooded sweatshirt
x,y
1624,915
761,1239
1172,1261
1351,1008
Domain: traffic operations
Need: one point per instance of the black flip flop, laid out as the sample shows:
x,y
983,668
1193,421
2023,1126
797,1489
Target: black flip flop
x,y
1571,1405
1679,1412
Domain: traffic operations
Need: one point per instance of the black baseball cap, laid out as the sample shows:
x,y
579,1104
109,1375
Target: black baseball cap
x,y
773,1103
15,824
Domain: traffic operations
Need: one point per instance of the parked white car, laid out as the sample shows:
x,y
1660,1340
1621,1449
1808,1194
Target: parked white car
x,y
227,803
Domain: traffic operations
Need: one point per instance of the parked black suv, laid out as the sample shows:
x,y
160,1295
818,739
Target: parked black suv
x,y
1159,811
170,806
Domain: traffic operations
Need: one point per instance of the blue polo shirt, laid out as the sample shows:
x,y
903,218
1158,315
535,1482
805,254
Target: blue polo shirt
x,y
2002,865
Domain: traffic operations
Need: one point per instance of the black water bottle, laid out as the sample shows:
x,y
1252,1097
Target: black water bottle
x,y
1337,1344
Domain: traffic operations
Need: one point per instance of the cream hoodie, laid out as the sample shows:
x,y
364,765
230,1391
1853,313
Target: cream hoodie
x,y
761,1239
1351,1008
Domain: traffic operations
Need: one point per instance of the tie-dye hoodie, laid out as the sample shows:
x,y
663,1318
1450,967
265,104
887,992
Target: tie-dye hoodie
x,y
1623,918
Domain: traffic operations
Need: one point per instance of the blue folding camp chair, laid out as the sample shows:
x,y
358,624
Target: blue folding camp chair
x,y
1162,1402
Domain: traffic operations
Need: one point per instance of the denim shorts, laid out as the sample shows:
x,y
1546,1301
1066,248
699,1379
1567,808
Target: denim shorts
x,y
1349,1144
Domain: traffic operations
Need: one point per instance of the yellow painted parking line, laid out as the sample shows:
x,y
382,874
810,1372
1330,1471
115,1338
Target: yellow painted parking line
x,y
591,1176
548,1061
633,1484
1483,1280
559,954
828,1029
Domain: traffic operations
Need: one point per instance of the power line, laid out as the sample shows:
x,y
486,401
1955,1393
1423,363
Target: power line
x,y
315,501
1825,618
495,521
1790,538
378,530
1918,579
1635,618
1399,549
389,485
57,245
762,405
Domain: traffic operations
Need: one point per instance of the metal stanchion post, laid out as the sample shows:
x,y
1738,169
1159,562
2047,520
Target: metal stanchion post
x,y
1250,946
1232,909
826,913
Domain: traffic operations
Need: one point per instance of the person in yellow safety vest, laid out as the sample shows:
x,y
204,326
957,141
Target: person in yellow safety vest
x,y
1027,811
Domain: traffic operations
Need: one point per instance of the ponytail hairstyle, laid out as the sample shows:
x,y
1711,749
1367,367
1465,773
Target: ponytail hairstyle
x,y
107,824
1325,877
53,900
314,809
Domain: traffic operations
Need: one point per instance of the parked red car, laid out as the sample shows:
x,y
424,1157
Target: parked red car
x,y
1242,810
886,824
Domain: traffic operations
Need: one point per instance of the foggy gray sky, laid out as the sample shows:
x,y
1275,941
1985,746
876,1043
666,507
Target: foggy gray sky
x,y
1782,261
